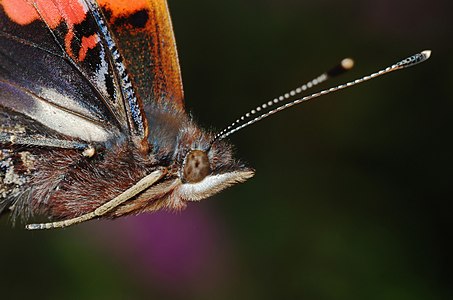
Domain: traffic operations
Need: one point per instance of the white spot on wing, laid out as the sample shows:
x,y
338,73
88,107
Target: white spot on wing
x,y
60,120
64,101
67,123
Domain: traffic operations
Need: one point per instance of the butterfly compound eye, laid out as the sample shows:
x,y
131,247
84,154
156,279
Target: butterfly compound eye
x,y
196,166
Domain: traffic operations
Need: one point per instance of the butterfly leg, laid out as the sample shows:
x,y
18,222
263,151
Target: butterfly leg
x,y
139,187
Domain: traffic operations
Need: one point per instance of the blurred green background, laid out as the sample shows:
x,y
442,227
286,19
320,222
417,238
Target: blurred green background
x,y
352,194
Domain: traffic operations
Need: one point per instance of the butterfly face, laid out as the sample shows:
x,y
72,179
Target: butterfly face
x,y
199,167
207,170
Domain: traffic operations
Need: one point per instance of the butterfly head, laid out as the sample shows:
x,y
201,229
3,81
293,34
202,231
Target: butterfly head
x,y
204,169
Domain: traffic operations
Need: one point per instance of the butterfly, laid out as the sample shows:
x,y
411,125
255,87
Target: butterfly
x,y
92,114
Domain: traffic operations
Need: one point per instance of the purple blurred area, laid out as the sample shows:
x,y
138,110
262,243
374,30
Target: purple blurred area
x,y
188,250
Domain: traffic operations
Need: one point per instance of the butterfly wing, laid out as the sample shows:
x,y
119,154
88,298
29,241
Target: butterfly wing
x,y
60,67
145,38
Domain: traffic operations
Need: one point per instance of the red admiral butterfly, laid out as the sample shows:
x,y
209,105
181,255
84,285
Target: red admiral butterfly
x,y
92,113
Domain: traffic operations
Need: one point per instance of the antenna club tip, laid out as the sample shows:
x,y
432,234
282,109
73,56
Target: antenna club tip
x,y
426,53
347,63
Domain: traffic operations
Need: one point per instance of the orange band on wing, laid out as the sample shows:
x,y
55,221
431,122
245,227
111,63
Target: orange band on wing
x,y
23,12
87,43
20,11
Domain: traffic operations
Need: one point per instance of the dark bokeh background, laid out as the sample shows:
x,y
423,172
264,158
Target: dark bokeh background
x,y
352,195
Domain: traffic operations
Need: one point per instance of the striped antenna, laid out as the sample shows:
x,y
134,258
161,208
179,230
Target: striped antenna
x,y
267,109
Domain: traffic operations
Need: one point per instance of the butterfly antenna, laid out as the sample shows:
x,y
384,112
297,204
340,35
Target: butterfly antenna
x,y
345,65
268,109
